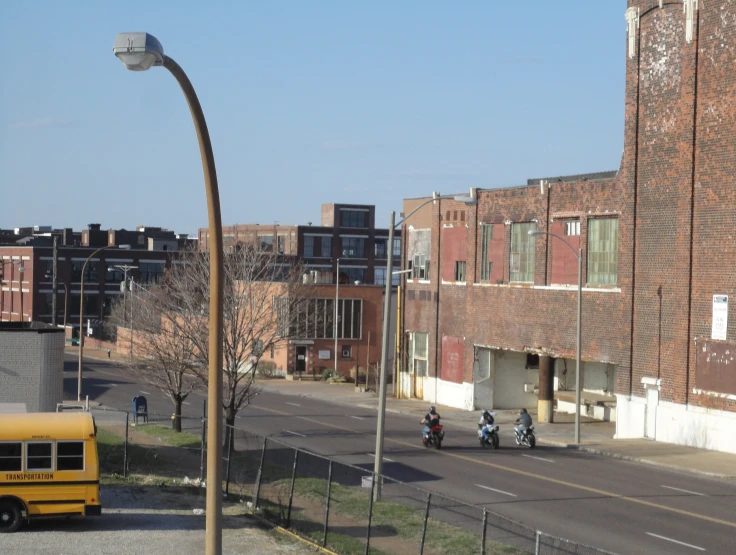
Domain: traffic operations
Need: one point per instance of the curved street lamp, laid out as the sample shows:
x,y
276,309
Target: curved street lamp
x,y
579,256
380,425
139,52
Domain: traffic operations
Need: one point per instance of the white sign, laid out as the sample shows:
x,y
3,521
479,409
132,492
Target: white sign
x,y
367,481
720,317
300,357
325,355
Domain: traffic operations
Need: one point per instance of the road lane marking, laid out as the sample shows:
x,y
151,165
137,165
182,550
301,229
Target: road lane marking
x,y
497,490
565,483
112,384
294,433
685,490
675,541
538,458
294,404
384,458
146,393
357,417
186,403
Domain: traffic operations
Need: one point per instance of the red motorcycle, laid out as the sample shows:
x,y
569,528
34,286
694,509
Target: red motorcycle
x,y
435,437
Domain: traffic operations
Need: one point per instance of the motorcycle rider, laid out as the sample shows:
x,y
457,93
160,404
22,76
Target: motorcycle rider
x,y
486,419
431,419
524,421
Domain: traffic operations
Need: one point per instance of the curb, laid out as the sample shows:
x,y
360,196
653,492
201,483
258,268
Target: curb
x,y
286,532
614,455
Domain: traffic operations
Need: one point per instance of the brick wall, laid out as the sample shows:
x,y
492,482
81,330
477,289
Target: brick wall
x,y
32,368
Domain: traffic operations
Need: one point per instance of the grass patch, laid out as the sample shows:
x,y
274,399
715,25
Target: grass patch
x,y
169,436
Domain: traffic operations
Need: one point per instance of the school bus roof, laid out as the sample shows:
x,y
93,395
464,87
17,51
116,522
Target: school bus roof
x,y
46,425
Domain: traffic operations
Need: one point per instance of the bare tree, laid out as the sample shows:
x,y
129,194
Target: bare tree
x,y
262,296
162,356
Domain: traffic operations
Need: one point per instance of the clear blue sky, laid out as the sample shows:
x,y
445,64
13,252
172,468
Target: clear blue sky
x,y
307,102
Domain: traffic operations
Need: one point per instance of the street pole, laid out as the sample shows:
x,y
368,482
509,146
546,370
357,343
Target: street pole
x,y
54,282
130,358
337,295
81,322
66,302
378,465
577,348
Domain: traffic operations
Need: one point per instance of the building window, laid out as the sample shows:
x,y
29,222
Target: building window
x,y
38,455
572,227
397,247
48,301
353,247
69,455
381,250
114,275
354,274
354,218
459,271
532,361
315,318
150,272
603,251
281,244
420,266
308,246
265,242
107,306
379,276
90,273
346,351
486,236
11,456
326,250
522,253
49,271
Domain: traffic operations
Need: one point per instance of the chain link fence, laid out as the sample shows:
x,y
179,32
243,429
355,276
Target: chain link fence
x,y
332,504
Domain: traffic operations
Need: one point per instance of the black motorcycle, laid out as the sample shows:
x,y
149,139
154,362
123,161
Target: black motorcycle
x,y
526,437
491,439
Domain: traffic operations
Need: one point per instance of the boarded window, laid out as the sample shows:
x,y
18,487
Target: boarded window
x,y
486,236
522,253
603,251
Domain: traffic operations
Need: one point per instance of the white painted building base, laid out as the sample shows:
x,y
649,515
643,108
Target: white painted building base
x,y
605,414
680,424
451,394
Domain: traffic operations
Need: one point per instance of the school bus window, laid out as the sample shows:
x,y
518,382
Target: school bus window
x,y
69,455
38,455
11,456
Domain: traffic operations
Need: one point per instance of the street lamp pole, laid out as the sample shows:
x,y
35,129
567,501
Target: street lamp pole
x,y
139,52
81,321
380,425
337,296
579,256
125,268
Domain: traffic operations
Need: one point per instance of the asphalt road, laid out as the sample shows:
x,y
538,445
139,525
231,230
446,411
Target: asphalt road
x,y
612,504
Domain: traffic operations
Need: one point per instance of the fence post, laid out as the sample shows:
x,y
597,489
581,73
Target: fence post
x,y
291,491
483,533
260,473
125,447
537,542
327,504
370,514
424,526
230,431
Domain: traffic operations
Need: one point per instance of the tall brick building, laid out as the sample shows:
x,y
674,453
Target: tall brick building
x,y
489,312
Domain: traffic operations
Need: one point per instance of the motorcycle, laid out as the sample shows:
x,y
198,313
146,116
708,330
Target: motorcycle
x,y
526,437
491,438
435,437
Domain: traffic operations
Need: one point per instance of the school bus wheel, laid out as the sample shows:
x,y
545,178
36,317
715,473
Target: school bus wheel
x,y
10,515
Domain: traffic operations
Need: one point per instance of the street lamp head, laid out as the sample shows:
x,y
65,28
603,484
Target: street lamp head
x,y
138,51
535,232
469,201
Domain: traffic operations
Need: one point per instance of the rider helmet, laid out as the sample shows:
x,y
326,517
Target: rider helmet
x,y
432,409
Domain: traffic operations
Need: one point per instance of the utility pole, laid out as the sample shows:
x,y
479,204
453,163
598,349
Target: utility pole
x,y
125,269
337,295
54,280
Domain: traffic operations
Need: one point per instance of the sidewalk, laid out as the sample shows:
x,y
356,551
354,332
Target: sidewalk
x,y
96,354
596,436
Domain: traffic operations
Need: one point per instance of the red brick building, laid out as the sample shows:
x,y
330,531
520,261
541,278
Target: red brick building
x,y
490,310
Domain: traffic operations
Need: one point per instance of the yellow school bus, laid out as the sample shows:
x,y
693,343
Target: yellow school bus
x,y
48,467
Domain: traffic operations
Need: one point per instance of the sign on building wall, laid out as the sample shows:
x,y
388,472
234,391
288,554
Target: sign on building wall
x,y
720,317
324,355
